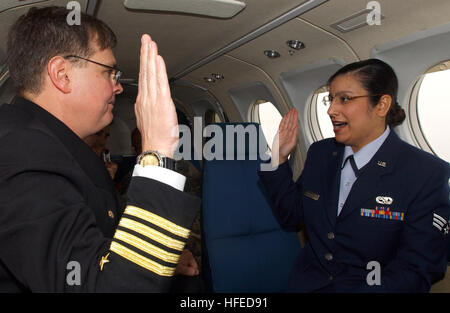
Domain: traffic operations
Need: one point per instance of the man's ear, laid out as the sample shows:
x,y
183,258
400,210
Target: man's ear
x,y
384,105
59,71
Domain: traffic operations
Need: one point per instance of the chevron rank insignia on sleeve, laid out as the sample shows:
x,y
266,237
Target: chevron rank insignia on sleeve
x,y
441,224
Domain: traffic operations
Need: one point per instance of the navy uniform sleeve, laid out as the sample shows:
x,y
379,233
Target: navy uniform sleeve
x,y
51,243
422,257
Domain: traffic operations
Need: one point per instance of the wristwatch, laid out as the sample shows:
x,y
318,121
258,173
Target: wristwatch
x,y
155,158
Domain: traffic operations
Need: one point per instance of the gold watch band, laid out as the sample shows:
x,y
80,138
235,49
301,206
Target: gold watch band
x,y
155,158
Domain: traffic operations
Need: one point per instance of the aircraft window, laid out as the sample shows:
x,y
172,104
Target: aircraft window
x,y
323,120
268,116
433,109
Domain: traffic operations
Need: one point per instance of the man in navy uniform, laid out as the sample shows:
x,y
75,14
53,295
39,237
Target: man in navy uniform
x,y
59,212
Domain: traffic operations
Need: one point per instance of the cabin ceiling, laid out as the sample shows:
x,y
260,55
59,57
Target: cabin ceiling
x,y
8,17
401,18
185,39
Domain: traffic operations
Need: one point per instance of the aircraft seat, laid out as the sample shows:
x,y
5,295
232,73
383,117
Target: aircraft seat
x,y
245,249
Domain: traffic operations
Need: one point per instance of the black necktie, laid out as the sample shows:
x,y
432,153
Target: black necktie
x,y
352,164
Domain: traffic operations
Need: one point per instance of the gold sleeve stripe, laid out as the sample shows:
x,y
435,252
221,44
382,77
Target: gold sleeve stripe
x,y
158,221
147,247
141,260
152,234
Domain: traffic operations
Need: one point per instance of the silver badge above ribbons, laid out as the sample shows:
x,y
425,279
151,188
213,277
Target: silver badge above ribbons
x,y
384,200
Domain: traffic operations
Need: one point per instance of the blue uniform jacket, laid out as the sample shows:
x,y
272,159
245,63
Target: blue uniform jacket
x,y
400,237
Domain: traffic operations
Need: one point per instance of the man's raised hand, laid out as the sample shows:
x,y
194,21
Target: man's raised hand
x,y
155,112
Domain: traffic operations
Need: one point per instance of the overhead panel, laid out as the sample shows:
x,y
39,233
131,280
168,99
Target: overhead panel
x,y
10,4
214,8
183,39
303,7
318,46
397,19
357,20
236,73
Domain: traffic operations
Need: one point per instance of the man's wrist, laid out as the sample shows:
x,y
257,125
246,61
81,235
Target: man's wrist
x,y
155,158
163,152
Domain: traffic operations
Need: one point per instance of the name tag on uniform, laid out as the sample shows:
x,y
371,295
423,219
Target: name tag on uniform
x,y
311,195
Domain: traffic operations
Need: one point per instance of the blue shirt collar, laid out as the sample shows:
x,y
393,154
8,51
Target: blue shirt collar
x,y
363,156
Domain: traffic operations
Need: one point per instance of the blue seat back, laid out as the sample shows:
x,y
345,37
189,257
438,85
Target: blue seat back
x,y
246,249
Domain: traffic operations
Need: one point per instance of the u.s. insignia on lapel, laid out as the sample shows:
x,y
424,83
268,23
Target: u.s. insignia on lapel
x,y
381,163
384,200
441,224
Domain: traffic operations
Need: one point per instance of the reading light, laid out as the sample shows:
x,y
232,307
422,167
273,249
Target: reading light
x,y
296,44
217,76
272,54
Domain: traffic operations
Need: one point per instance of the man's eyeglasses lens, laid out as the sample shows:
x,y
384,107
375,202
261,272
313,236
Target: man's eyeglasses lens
x,y
116,73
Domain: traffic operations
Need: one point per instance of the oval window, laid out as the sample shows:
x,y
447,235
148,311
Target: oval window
x,y
325,125
433,109
319,122
268,116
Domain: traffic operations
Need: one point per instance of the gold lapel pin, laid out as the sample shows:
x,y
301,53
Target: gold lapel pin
x,y
103,261
381,163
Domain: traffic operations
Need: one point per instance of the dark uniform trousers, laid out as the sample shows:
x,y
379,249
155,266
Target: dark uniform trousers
x,y
344,252
63,228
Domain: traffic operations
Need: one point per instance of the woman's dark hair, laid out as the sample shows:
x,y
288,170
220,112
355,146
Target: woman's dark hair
x,y
43,33
378,78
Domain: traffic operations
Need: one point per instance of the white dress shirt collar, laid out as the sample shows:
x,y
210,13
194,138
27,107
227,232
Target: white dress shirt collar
x,y
363,156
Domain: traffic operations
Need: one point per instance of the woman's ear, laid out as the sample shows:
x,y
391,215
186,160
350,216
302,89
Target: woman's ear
x,y
383,106
59,72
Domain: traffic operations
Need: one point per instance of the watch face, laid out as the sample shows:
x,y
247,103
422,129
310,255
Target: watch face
x,y
149,159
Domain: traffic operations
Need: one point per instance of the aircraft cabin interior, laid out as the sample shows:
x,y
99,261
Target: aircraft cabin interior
x,y
249,62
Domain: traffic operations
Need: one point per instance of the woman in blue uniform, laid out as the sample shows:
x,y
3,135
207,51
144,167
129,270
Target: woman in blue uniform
x,y
375,208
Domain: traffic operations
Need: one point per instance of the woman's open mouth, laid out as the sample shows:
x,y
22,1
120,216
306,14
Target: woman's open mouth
x,y
337,126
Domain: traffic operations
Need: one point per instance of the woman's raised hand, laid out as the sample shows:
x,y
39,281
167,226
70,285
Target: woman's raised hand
x,y
286,137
